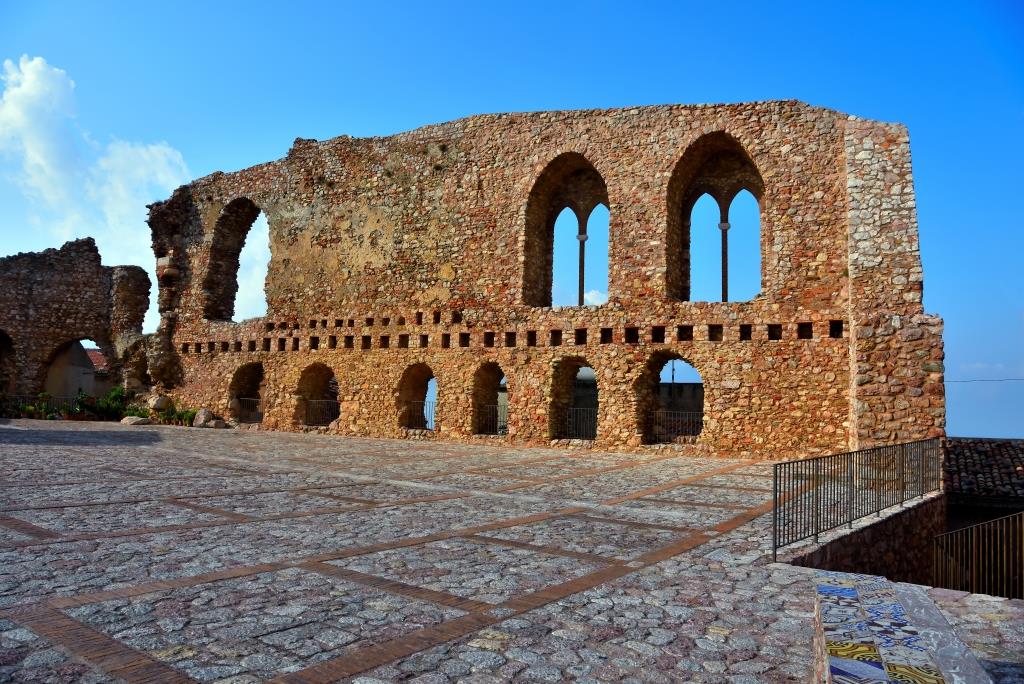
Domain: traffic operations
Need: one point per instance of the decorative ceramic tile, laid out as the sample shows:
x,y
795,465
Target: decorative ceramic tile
x,y
910,674
849,671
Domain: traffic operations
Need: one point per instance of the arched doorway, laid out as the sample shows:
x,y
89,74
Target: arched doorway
x,y
490,400
77,367
246,394
670,400
6,363
574,400
417,398
318,390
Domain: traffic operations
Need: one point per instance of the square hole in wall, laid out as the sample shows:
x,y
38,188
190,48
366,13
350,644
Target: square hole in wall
x,y
350,341
283,325
463,339
312,323
385,341
266,344
295,325
746,332
237,346
684,333
437,318
835,329
424,341
715,332
282,344
401,320
579,336
774,331
269,326
419,318
185,348
366,342
488,339
403,341
531,338
314,342
446,340
632,335
385,321
351,322
556,338
805,331
198,347
338,322
295,344
323,323
510,339
252,345
456,317
606,335
658,334
211,347
332,341
224,346
369,322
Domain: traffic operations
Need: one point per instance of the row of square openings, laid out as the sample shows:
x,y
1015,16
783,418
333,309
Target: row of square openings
x,y
369,321
579,336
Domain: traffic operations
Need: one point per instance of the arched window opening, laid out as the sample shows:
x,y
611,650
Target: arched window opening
x,y
490,400
705,250
718,166
235,280
670,400
6,364
417,398
560,268
574,401
246,394
744,247
78,367
318,390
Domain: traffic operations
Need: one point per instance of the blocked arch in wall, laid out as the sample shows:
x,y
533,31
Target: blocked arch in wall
x,y
7,369
220,285
60,351
659,423
568,181
245,393
318,396
716,164
411,397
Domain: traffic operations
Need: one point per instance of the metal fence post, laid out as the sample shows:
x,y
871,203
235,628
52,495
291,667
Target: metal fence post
x,y
817,498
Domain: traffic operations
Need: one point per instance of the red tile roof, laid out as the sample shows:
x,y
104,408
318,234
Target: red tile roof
x,y
985,467
99,361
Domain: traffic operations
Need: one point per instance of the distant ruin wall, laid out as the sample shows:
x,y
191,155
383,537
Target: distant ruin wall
x,y
52,298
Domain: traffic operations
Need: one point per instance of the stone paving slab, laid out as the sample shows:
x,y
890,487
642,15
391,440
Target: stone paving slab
x,y
109,517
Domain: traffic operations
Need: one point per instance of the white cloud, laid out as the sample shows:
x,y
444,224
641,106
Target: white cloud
x,y
77,187
595,297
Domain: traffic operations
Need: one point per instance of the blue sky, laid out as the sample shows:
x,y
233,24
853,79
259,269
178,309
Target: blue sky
x,y
165,93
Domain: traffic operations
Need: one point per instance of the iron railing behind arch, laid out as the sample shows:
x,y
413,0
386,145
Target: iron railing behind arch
x,y
667,425
250,410
322,411
575,423
987,558
419,415
492,419
818,494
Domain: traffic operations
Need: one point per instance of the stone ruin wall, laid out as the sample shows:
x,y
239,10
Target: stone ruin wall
x,y
52,298
408,243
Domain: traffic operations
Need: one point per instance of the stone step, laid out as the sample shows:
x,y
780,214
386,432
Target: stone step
x,y
870,631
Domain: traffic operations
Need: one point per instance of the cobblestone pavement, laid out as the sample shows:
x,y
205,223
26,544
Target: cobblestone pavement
x,y
164,554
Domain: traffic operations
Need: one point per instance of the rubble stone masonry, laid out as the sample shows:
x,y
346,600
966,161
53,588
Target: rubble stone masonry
x,y
433,247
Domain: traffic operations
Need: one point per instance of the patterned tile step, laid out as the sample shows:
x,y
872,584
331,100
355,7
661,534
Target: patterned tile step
x,y
869,635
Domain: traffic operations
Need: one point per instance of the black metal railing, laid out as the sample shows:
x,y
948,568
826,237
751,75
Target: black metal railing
x,y
249,410
42,404
492,419
668,425
322,411
815,495
577,423
419,415
987,558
